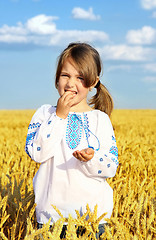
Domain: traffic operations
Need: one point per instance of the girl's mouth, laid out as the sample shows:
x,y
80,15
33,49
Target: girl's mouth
x,y
66,90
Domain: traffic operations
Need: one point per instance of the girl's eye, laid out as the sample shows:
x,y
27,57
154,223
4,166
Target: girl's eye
x,y
64,75
81,78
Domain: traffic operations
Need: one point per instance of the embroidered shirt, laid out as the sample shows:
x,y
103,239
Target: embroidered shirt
x,y
62,180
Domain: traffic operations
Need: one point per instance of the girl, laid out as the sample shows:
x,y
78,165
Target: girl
x,y
74,143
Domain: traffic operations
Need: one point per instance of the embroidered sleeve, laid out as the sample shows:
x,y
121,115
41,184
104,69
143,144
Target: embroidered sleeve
x,y
45,132
105,161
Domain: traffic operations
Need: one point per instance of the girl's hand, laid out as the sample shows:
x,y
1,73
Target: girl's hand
x,y
84,155
65,102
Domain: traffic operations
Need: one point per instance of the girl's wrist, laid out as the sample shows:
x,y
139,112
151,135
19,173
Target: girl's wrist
x,y
61,115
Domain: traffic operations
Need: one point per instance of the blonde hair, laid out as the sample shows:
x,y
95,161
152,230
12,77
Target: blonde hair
x,y
87,60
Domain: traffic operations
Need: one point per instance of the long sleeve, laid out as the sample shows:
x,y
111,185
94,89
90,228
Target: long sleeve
x,y
45,132
105,161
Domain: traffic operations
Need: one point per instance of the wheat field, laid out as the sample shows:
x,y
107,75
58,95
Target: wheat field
x,y
134,184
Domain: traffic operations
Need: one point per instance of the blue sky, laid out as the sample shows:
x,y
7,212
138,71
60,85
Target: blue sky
x,y
34,32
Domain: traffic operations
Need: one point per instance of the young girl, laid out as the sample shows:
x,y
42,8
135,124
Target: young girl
x,y
74,142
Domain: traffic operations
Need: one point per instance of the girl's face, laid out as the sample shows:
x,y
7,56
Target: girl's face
x,y
70,80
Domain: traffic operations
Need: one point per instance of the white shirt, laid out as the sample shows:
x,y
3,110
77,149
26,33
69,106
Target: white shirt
x,y
62,180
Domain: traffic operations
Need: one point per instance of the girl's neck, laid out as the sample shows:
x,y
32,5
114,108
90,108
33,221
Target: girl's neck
x,y
84,108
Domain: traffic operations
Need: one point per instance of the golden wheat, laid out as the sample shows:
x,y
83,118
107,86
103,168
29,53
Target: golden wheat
x,y
133,216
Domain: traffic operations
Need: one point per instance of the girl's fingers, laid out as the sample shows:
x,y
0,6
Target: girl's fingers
x,y
75,154
65,102
80,157
89,151
67,98
83,155
66,95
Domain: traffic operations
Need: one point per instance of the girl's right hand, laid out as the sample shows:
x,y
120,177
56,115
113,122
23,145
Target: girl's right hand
x,y
84,155
64,103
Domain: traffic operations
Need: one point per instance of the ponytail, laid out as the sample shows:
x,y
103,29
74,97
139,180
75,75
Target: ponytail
x,y
102,100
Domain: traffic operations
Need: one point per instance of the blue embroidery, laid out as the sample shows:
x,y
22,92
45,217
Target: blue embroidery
x,y
114,151
34,125
48,135
88,132
115,160
31,136
101,159
91,147
108,165
74,131
113,138
99,171
86,125
38,148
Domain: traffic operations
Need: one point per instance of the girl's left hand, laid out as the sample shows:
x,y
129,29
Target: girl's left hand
x,y
84,155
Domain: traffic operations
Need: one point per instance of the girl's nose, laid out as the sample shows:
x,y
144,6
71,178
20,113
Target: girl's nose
x,y
71,82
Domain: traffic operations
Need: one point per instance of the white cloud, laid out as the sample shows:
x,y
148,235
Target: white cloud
x,y
127,53
146,35
14,34
119,67
150,79
80,13
7,38
148,4
63,37
17,30
42,30
151,67
41,24
30,32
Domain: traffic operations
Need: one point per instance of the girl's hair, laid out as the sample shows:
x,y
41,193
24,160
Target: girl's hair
x,y
88,62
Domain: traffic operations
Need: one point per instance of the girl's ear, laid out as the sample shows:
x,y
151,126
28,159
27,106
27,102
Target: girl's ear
x,y
97,79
